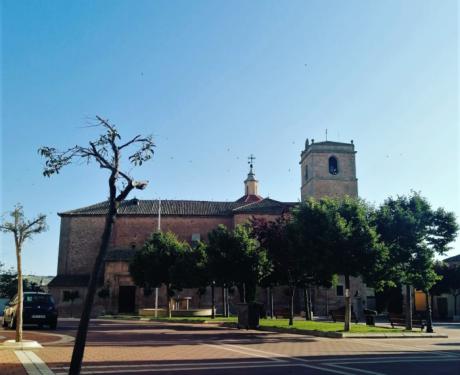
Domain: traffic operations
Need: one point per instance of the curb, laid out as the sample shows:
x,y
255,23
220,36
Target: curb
x,y
344,335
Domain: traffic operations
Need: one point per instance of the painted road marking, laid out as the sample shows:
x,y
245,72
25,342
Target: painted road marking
x,y
275,357
414,348
192,368
355,369
383,360
61,368
242,350
32,363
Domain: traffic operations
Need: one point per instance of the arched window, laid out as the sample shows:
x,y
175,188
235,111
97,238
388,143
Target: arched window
x,y
333,165
306,173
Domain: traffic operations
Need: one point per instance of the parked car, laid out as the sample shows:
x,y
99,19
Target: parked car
x,y
38,309
3,303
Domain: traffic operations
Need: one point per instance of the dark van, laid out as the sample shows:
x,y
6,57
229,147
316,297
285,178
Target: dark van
x,y
39,309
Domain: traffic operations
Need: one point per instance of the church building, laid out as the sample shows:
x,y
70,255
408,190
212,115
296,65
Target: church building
x,y
327,169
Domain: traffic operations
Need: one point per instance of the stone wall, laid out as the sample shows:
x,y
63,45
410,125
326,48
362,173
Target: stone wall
x,y
318,182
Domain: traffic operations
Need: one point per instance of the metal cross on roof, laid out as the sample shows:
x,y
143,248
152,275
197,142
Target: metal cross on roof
x,y
251,159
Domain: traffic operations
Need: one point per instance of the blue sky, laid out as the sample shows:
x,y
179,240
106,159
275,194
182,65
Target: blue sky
x,y
214,81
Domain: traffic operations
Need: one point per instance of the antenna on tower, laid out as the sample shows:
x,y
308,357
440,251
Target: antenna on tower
x,y
326,134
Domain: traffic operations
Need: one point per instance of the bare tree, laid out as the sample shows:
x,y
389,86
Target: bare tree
x,y
22,229
106,152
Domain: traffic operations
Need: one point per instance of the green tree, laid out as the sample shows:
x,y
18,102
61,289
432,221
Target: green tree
x,y
164,259
235,257
285,258
414,233
311,221
21,229
8,282
351,244
106,151
218,269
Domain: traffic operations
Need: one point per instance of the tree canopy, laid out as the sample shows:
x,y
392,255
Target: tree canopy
x,y
414,233
236,258
164,259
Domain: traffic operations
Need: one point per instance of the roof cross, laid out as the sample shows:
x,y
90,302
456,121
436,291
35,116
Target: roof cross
x,y
251,159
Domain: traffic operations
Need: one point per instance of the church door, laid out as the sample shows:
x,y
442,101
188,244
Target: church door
x,y
126,299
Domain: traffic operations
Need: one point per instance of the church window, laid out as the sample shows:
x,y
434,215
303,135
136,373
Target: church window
x,y
333,165
306,173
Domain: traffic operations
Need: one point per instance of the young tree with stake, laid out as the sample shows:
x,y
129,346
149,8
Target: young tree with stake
x,y
106,151
22,229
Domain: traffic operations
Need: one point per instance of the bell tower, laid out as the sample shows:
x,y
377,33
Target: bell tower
x,y
328,169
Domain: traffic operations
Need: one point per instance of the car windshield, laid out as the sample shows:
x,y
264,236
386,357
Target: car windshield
x,y
38,298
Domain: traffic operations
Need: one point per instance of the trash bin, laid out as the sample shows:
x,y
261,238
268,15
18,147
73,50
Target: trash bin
x,y
249,315
370,317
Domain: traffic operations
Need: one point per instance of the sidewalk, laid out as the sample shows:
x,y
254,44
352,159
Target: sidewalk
x,y
9,363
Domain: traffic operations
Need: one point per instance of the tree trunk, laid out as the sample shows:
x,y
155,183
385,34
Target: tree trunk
x,y
224,308
227,304
20,296
455,304
168,299
80,341
305,303
272,313
408,308
244,292
429,321
213,302
291,306
267,298
347,304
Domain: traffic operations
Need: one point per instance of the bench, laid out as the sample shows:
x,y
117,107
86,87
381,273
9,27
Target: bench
x,y
338,315
400,320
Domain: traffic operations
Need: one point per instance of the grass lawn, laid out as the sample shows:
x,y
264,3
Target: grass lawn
x,y
272,323
325,326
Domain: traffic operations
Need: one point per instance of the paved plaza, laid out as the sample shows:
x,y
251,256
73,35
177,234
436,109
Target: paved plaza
x,y
137,347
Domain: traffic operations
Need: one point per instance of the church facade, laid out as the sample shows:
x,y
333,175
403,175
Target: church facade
x,y
327,169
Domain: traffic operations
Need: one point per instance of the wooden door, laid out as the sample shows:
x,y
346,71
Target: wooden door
x,y
126,299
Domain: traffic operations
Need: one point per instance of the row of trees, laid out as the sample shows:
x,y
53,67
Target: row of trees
x,y
394,244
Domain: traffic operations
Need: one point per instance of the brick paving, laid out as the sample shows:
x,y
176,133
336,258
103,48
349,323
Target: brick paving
x,y
133,347
9,363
